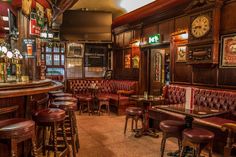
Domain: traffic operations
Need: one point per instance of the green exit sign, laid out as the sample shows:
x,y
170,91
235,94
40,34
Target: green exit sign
x,y
154,39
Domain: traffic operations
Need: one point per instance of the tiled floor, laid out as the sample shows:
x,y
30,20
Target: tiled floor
x,y
102,136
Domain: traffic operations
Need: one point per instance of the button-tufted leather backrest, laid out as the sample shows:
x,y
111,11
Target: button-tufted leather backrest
x,y
105,86
215,99
174,94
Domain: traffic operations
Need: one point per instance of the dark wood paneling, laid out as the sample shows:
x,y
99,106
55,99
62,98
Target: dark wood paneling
x,y
165,29
127,38
150,30
227,77
182,73
228,16
181,23
205,75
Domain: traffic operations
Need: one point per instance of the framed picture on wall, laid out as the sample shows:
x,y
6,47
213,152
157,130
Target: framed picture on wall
x,y
75,50
181,53
228,50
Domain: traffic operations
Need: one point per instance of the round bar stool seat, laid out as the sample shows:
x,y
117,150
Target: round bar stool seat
x,y
172,125
15,127
171,128
197,138
67,98
61,95
49,115
135,113
17,130
198,135
84,101
64,105
54,92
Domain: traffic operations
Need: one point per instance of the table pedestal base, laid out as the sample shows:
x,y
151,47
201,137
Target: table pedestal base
x,y
149,132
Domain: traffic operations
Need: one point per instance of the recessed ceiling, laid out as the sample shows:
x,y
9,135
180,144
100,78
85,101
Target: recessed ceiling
x,y
117,7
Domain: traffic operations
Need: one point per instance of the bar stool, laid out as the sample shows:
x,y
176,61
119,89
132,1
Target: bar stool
x,y
61,95
70,107
197,138
67,98
103,101
135,113
17,130
53,118
171,128
84,101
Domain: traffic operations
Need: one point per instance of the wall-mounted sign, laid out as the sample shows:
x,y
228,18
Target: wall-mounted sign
x,y
40,14
34,28
29,47
26,7
154,39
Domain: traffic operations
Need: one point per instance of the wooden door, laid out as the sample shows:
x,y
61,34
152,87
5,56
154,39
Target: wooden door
x,y
157,70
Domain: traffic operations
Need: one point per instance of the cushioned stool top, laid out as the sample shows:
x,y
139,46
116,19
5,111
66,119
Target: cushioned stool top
x,y
172,126
65,105
49,115
67,98
15,127
134,111
103,98
62,95
198,135
83,98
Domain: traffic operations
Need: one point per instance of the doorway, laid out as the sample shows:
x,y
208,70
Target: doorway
x,y
159,73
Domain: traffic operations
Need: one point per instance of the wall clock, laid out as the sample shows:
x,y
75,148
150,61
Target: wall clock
x,y
200,26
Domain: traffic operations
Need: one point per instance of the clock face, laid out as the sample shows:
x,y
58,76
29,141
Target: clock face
x,y
200,26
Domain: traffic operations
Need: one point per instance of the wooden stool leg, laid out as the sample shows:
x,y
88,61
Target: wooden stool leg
x,y
72,133
108,108
182,149
210,145
198,150
44,140
179,144
33,140
80,108
54,129
132,124
13,148
126,121
76,132
65,139
163,143
88,107
99,110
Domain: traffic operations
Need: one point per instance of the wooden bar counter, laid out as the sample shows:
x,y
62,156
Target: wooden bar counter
x,y
24,95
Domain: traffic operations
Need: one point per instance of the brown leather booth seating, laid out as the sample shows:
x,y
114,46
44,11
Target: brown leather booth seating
x,y
119,101
205,97
174,94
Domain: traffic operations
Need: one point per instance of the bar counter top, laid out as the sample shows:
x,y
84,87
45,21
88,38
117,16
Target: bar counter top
x,y
14,89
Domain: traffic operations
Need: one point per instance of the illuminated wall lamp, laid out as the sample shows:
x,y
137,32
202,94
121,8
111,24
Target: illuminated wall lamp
x,y
5,18
184,36
6,28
